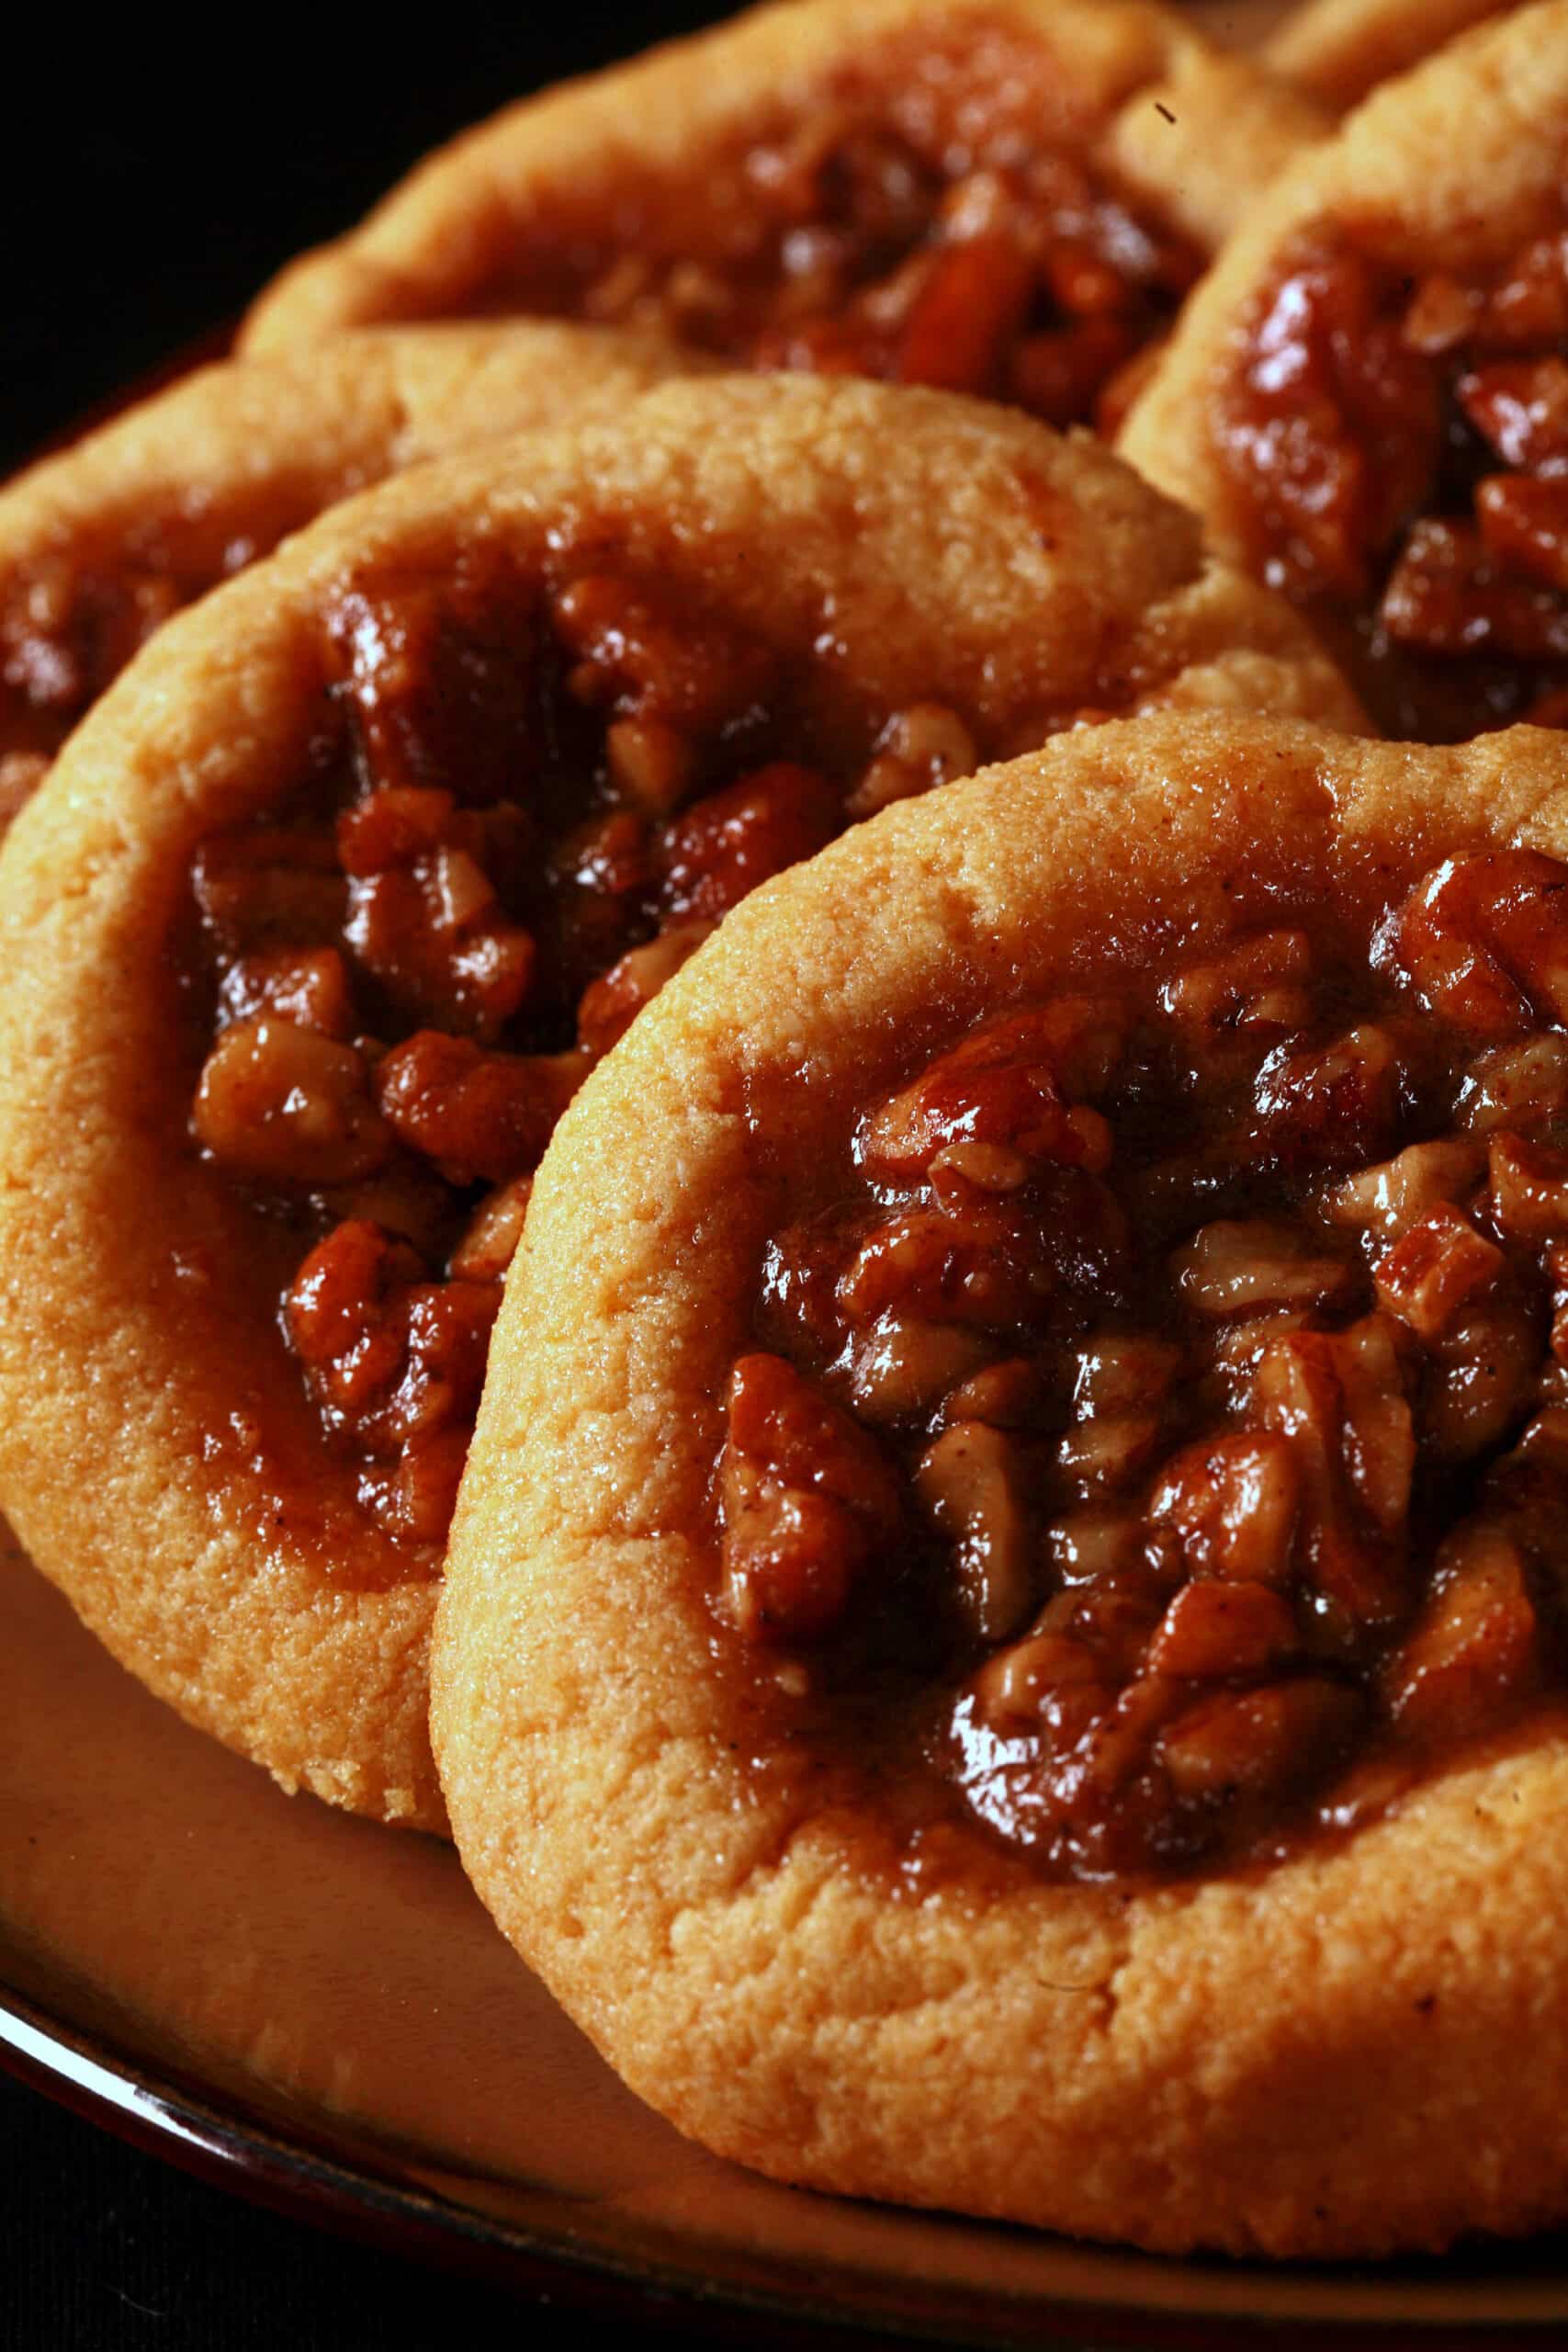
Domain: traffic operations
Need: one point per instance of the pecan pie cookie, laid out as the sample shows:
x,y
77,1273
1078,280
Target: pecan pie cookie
x,y
1368,401
329,905
1002,197
100,545
1340,50
1006,1640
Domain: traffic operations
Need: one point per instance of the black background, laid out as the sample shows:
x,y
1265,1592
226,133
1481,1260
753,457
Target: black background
x,y
152,184
149,184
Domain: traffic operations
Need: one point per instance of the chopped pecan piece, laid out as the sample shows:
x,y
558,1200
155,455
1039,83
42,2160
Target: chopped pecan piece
x,y
308,986
1232,1268
1213,1629
1331,1103
1476,1645
1231,1502
982,1266
1006,1394
905,1363
1450,593
343,1314
1521,407
1527,1187
1481,1375
728,842
1339,1401
654,764
926,745
1000,1086
482,1117
1255,990
805,1498
1123,1372
649,662
976,297
439,673
1524,525
397,1357
971,1482
1523,1086
1259,1744
489,1244
1332,424
415,1496
282,1103
1391,1197
1427,1277
430,926
1013,1686
1485,940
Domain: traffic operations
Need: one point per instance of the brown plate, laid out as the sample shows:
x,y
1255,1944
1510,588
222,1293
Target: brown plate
x,y
318,2011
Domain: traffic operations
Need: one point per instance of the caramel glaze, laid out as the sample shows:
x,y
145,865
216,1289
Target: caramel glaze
x,y
931,215
1397,446
1154,1445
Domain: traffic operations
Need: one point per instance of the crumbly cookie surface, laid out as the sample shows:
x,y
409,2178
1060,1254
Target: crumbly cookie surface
x,y
1329,403
1352,2050
902,195
100,544
221,1549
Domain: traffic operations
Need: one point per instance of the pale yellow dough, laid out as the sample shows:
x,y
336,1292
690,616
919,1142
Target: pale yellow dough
x,y
1361,2049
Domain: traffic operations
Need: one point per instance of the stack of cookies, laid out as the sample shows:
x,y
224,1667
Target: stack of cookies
x,y
783,1086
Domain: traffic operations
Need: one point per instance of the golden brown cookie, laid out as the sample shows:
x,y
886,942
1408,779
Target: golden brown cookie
x,y
1002,197
942,1669
329,904
1368,401
1340,50
100,544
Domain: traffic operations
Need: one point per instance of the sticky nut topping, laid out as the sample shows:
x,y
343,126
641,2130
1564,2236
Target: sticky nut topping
x,y
1400,444
534,798
71,619
929,216
1154,1440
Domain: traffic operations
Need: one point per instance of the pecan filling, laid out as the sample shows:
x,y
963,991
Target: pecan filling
x,y
939,221
534,799
1156,1441
69,624
1402,446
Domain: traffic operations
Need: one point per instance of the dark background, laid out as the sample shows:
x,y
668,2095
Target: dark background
x,y
152,182
149,184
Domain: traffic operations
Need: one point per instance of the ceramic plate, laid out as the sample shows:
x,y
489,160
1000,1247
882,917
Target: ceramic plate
x,y
319,2010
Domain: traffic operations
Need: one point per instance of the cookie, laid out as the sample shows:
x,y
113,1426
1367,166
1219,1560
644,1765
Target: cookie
x,y
101,544
1338,50
1002,197
329,904
1002,1646
1368,401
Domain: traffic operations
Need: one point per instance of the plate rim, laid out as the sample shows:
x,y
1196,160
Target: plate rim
x,y
353,2191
